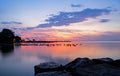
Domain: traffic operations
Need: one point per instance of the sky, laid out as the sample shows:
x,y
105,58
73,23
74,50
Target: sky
x,y
88,20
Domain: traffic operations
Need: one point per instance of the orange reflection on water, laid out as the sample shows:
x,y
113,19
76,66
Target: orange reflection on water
x,y
67,50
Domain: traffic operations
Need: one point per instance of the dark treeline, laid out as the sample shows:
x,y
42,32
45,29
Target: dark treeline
x,y
7,37
44,41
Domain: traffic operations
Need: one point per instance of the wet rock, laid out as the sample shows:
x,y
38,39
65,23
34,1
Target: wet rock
x,y
97,70
55,73
102,60
81,67
116,63
48,66
79,62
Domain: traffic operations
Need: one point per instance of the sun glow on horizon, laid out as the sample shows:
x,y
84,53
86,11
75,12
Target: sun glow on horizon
x,y
57,34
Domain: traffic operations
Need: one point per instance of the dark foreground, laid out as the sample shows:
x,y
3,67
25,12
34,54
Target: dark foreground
x,y
80,67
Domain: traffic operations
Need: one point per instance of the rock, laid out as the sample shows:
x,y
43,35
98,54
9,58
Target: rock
x,y
102,60
80,67
55,73
116,63
79,62
97,70
95,67
48,66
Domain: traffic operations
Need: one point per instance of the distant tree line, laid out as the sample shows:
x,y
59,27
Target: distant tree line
x,y
7,36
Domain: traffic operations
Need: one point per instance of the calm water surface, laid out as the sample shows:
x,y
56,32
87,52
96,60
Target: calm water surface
x,y
20,60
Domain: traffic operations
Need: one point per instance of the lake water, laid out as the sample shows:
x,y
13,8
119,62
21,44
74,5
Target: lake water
x,y
20,60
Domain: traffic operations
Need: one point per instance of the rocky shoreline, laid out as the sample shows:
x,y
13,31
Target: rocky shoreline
x,y
80,67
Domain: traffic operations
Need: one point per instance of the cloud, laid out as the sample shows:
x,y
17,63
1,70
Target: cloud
x,y
104,20
11,22
76,5
66,18
65,34
105,36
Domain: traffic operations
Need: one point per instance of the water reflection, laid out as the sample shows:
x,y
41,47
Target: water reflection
x,y
72,50
6,50
20,60
51,44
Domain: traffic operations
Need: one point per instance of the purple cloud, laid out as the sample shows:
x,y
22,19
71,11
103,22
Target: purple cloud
x,y
76,5
104,20
66,18
107,36
11,22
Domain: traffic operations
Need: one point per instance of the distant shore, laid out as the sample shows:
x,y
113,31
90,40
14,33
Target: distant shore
x,y
43,41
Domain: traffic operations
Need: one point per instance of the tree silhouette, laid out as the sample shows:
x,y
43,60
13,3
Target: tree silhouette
x,y
6,36
17,39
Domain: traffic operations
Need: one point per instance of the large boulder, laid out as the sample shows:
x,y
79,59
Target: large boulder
x,y
97,70
48,66
102,60
55,73
116,63
94,67
80,67
79,62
